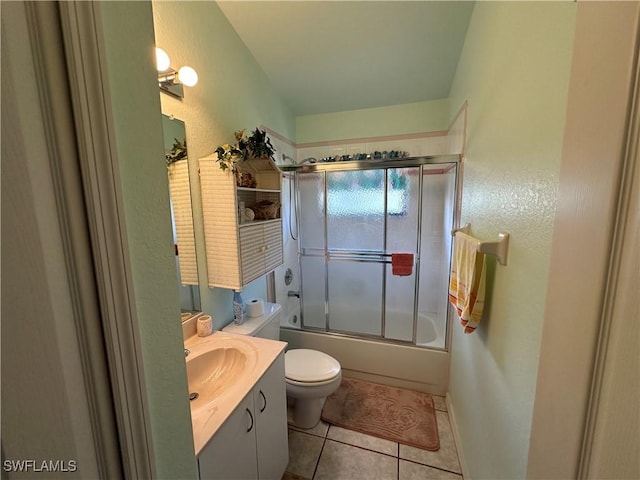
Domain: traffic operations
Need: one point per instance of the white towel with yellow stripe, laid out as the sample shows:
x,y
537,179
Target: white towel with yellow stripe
x,y
467,281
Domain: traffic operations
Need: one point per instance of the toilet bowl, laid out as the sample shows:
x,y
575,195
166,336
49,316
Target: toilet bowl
x,y
311,376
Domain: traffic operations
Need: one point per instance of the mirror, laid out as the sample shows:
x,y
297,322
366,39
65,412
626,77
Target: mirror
x,y
175,147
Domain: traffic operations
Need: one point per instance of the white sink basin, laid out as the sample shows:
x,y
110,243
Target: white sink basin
x,y
211,372
215,369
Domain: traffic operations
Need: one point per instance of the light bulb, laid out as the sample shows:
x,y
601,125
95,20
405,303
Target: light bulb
x,y
187,76
162,60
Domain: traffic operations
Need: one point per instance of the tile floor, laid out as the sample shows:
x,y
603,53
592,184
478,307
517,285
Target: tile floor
x,y
327,452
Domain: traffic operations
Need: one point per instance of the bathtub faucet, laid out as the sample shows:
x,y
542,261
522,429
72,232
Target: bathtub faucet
x,y
292,293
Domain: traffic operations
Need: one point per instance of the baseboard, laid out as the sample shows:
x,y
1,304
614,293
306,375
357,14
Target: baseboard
x,y
456,438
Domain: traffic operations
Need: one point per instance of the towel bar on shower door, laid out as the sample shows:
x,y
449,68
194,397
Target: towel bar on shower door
x,y
499,248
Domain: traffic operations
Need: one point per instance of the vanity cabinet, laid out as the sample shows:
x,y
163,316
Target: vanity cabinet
x,y
240,250
272,435
253,442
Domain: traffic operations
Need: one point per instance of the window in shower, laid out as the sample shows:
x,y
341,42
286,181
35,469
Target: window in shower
x,y
350,223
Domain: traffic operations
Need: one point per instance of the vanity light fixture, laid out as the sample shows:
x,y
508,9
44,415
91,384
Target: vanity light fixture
x,y
171,81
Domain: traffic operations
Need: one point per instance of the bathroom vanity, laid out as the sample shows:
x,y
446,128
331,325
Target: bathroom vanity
x,y
239,417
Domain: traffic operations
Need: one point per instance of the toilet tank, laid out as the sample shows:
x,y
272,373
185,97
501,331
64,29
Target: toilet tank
x,y
264,326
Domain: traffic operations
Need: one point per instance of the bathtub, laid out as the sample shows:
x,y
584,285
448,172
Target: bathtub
x,y
401,365
430,333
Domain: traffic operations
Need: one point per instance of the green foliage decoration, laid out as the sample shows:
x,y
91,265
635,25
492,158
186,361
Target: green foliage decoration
x,y
257,145
178,151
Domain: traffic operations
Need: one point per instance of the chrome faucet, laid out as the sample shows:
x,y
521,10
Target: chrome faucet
x,y
186,352
293,293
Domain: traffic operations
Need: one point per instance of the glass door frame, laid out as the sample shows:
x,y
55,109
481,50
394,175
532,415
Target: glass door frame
x,y
448,162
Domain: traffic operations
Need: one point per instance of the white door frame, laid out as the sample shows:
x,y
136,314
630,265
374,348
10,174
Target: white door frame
x,y
620,310
98,162
595,158
75,272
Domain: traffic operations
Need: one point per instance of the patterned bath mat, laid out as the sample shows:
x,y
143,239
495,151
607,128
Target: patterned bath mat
x,y
404,416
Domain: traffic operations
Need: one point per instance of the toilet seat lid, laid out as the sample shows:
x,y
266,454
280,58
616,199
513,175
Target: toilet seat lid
x,y
302,365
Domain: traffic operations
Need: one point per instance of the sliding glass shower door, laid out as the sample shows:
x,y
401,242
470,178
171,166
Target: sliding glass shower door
x,y
355,244
351,222
312,241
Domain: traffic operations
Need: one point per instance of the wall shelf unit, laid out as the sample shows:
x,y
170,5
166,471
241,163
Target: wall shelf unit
x,y
240,250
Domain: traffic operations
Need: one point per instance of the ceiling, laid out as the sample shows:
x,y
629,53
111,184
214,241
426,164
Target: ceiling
x,y
331,56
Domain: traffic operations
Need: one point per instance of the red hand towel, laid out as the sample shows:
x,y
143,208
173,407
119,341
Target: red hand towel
x,y
402,264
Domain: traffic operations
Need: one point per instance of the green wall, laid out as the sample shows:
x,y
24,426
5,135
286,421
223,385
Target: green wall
x,y
128,31
232,93
514,72
416,117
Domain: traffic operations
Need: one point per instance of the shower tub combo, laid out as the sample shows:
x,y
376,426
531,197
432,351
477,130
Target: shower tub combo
x,y
343,224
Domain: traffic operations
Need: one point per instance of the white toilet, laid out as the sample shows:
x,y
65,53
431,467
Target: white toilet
x,y
311,376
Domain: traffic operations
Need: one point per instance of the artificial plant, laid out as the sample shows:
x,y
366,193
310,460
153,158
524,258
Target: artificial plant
x,y
256,145
178,151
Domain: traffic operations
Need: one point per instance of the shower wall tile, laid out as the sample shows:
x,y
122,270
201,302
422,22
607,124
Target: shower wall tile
x,y
337,150
438,145
429,144
354,148
400,145
310,152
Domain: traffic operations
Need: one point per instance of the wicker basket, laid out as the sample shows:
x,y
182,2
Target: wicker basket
x,y
266,210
